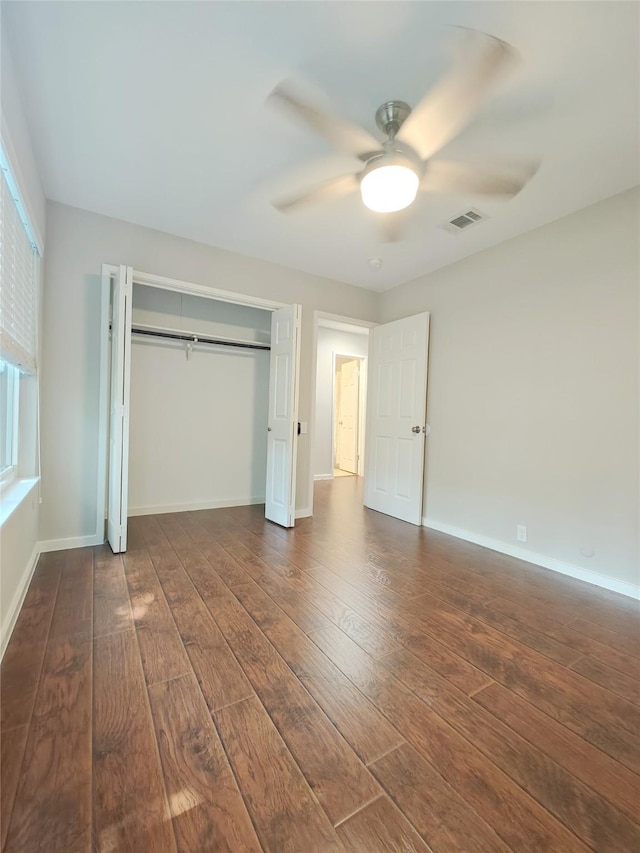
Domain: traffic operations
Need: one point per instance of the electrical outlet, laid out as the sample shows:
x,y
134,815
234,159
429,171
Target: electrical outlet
x,y
521,533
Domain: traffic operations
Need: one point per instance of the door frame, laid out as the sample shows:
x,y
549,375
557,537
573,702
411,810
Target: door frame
x,y
163,283
317,317
362,405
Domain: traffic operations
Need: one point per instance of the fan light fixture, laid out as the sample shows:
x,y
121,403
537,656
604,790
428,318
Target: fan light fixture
x,y
403,163
388,187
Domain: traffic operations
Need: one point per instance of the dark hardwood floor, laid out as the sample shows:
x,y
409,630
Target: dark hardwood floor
x,y
354,684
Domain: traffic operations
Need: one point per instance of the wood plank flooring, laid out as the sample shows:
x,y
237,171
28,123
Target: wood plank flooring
x,y
353,684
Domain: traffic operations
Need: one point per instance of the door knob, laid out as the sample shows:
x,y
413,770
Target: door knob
x,y
415,429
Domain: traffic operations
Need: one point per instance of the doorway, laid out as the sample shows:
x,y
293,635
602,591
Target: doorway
x,y
348,415
341,349
393,473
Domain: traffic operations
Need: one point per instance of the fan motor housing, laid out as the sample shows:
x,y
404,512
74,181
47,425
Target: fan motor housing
x,y
391,115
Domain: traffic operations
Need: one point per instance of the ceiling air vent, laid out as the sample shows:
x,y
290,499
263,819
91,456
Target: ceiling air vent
x,y
464,221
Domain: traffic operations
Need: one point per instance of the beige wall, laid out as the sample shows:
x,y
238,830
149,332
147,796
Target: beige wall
x,y
533,389
79,242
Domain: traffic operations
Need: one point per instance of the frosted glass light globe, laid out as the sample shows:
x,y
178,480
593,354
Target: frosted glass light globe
x,y
387,188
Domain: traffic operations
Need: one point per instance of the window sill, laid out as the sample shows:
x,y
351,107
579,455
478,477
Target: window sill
x,y
14,494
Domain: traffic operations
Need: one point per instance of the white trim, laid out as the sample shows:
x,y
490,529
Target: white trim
x,y
604,581
297,350
192,507
323,477
108,270
18,599
340,318
14,494
305,512
160,281
10,473
72,542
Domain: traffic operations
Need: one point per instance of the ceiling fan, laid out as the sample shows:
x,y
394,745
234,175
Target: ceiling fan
x,y
395,170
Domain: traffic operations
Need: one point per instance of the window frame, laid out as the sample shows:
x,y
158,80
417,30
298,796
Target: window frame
x,y
12,427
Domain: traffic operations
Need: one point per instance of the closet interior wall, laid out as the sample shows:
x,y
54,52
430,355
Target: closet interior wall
x,y
198,420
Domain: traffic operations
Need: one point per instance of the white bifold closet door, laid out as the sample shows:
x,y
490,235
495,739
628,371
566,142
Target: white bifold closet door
x,y
119,423
396,424
283,416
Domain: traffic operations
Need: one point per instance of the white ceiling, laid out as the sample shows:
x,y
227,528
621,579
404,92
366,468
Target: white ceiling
x,y
154,113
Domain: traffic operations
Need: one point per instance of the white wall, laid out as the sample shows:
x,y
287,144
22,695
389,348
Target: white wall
x,y
198,430
78,243
19,533
330,342
533,389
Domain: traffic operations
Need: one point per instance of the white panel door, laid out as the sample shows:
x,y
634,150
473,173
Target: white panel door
x,y
283,416
347,416
394,465
119,424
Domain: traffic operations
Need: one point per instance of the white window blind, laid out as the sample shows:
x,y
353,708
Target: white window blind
x,y
18,286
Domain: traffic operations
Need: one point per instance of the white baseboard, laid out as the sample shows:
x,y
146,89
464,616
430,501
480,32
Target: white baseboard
x,y
305,512
323,476
73,542
18,598
543,560
192,507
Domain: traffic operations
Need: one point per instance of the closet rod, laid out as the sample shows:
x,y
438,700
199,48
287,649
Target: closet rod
x,y
196,339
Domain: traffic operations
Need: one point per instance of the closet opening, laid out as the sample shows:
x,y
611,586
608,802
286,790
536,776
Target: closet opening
x,y
202,387
199,397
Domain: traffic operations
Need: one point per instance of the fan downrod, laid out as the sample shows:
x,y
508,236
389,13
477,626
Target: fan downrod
x,y
391,115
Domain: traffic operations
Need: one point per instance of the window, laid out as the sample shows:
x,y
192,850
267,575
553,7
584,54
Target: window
x,y
19,274
9,388
18,279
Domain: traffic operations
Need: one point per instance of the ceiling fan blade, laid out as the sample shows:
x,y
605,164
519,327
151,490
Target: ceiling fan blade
x,y
451,176
458,96
343,134
333,188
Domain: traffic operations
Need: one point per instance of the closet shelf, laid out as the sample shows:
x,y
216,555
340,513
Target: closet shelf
x,y
194,337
